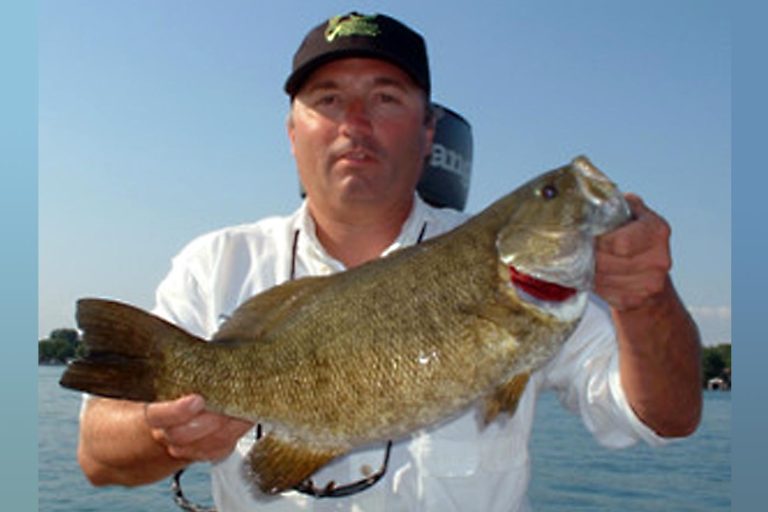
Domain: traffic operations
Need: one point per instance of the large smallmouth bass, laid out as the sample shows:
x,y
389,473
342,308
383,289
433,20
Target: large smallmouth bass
x,y
327,364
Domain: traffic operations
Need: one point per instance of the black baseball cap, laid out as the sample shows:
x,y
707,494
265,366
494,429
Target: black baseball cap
x,y
356,35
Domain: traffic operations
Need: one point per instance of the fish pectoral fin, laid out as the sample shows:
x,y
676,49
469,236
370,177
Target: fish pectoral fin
x,y
501,312
505,397
275,465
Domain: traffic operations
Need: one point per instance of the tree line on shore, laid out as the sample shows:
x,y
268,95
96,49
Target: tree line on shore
x,y
716,363
60,346
64,344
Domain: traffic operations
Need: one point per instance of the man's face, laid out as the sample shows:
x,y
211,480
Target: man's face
x,y
359,134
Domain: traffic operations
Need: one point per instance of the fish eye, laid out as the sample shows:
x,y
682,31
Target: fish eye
x,y
548,191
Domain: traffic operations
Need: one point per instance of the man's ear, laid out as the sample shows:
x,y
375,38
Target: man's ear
x,y
430,122
290,129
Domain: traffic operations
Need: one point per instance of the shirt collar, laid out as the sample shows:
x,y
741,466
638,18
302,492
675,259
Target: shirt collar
x,y
409,233
412,227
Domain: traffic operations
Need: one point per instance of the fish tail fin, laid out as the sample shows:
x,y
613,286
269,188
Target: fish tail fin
x,y
124,351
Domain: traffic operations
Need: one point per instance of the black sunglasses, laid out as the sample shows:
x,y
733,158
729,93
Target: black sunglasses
x,y
331,490
308,487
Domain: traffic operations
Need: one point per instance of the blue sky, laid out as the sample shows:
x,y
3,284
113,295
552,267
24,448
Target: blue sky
x,y
161,120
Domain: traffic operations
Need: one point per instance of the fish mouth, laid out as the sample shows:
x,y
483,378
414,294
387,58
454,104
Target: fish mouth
x,y
611,208
539,289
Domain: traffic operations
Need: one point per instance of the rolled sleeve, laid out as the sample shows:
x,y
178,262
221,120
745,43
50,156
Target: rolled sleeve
x,y
585,374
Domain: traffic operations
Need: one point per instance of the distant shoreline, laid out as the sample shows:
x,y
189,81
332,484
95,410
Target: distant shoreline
x,y
52,363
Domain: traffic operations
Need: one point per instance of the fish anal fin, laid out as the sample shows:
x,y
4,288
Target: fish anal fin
x,y
504,398
275,465
262,312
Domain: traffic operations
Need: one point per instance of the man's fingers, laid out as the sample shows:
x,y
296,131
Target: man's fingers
x,y
205,425
207,437
627,291
174,412
190,432
607,264
647,231
636,204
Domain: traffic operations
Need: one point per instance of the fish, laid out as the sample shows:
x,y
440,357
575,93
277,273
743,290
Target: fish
x,y
378,352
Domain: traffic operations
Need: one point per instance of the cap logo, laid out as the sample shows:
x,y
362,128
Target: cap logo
x,y
351,25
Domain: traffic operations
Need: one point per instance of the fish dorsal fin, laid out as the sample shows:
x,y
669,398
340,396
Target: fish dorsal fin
x,y
275,465
505,397
268,309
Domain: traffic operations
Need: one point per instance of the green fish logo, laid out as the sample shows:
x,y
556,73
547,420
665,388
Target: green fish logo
x,y
351,25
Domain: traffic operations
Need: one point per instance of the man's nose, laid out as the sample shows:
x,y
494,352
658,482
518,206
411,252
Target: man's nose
x,y
356,118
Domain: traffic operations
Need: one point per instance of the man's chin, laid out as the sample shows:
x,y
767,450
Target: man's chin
x,y
358,189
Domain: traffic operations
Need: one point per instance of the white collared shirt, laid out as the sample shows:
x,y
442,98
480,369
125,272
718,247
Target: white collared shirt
x,y
456,466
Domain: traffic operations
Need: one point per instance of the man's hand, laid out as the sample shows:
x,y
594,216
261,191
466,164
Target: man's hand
x,y
632,262
191,433
658,340
131,443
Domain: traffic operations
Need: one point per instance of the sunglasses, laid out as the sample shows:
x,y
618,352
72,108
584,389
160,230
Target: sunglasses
x,y
308,486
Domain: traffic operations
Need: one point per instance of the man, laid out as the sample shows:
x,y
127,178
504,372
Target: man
x,y
360,128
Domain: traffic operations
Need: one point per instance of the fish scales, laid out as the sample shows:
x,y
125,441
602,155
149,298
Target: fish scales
x,y
322,383
330,363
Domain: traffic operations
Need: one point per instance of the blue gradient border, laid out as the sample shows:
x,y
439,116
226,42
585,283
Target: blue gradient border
x,y
18,257
750,254
18,221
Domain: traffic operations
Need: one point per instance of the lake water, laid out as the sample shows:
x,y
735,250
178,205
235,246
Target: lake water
x,y
570,471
